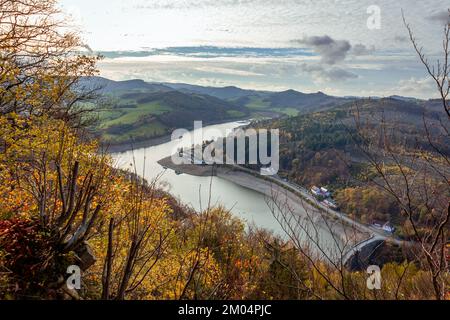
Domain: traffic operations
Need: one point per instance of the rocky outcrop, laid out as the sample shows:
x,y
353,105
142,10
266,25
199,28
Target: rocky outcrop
x,y
85,257
377,253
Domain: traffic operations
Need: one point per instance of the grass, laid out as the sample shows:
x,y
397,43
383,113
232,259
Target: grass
x,y
152,130
235,113
128,119
129,116
132,115
257,104
291,112
109,115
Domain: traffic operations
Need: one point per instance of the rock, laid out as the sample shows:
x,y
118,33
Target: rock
x,y
69,294
365,257
86,256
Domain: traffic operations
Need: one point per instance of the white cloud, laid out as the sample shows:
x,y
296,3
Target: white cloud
x,y
321,74
330,50
227,71
416,87
442,17
390,69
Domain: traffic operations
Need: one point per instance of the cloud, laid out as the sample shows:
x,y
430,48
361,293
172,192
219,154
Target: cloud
x,y
362,50
211,52
228,71
331,51
187,4
417,87
401,39
441,16
321,74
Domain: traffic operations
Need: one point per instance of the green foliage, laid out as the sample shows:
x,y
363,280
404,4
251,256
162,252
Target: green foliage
x,y
139,115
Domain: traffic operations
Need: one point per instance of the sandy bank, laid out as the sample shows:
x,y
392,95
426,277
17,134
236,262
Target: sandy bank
x,y
287,201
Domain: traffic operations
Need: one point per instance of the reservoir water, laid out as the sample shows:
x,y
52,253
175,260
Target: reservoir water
x,y
247,204
244,203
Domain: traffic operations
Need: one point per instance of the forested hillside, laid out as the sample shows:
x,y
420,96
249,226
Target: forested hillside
x,y
330,149
136,111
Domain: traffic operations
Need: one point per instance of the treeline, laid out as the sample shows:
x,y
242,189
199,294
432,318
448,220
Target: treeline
x,y
329,148
173,109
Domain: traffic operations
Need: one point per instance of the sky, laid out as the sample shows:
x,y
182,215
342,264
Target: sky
x,y
340,47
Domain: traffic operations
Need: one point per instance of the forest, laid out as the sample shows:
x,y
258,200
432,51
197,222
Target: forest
x,y
328,148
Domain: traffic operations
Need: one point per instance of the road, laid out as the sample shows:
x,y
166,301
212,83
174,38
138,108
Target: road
x,y
373,234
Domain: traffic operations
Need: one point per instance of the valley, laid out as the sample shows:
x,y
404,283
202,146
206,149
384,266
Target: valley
x,y
317,148
136,111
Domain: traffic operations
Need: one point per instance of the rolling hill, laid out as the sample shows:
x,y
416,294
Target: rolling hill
x,y
288,102
226,93
106,86
136,110
321,149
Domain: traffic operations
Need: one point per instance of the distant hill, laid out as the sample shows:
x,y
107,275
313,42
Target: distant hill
x,y
408,99
107,86
303,102
320,149
139,110
225,93
274,101
187,108
405,111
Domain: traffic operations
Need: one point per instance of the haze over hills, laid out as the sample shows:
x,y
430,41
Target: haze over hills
x,y
278,101
226,93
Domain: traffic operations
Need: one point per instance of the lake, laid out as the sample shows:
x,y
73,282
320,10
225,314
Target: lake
x,y
194,191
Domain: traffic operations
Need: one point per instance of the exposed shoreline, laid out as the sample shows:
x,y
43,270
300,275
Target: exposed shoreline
x,y
263,186
288,200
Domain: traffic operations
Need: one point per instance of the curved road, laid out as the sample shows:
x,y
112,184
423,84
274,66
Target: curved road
x,y
374,233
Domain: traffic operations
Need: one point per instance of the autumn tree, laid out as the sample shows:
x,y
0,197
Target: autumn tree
x,y
47,175
41,61
416,176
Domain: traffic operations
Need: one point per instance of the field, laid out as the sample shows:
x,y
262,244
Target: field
x,y
127,115
136,110
137,115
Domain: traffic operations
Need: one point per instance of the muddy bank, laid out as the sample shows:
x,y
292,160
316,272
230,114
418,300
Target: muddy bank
x,y
193,170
